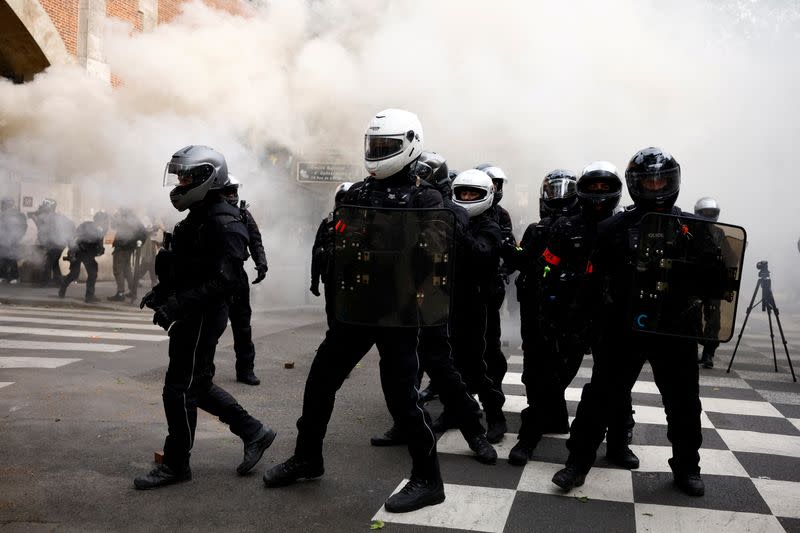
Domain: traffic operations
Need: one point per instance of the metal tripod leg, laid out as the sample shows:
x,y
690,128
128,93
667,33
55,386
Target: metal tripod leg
x,y
783,338
741,331
772,337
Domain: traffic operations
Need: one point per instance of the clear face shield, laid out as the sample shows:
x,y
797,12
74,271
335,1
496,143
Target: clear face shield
x,y
559,188
377,147
176,174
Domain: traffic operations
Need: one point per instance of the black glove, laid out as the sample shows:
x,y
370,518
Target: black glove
x,y
314,289
148,300
262,273
166,315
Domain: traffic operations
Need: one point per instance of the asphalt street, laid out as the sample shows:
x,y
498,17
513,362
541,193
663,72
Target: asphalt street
x,y
81,416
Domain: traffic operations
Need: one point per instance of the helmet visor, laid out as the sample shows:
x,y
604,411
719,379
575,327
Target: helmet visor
x,y
708,212
599,186
558,188
467,193
378,147
654,185
186,175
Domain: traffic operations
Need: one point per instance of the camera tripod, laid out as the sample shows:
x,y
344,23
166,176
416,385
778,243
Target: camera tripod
x,y
767,304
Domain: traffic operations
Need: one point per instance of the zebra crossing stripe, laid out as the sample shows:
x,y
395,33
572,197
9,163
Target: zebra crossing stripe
x,y
62,346
5,383
139,317
72,311
51,332
35,362
79,323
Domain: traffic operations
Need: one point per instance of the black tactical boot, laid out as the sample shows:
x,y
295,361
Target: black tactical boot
x,y
569,477
484,452
119,297
254,449
521,453
707,360
62,291
417,493
293,469
690,484
443,423
161,476
621,455
497,427
428,393
392,437
247,377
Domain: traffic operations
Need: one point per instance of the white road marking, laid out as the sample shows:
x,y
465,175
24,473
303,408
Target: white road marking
x,y
79,323
719,462
49,332
144,316
71,311
607,484
782,497
466,507
62,346
35,362
768,443
5,383
667,519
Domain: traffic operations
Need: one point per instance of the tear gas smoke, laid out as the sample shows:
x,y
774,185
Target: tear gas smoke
x,y
530,86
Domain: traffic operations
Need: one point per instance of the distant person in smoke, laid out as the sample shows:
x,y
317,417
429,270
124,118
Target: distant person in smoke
x,y
239,311
129,236
87,244
13,226
54,233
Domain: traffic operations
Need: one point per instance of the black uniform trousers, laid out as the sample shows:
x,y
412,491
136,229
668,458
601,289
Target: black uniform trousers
x,y
123,270
343,347
618,360
711,319
548,367
470,342
52,269
90,264
188,385
436,356
8,268
496,364
240,314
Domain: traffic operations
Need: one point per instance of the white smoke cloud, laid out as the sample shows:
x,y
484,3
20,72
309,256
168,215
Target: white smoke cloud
x,y
530,86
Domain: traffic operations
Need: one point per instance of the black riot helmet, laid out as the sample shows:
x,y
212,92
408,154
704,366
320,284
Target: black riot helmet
x,y
599,189
654,179
558,195
431,167
194,171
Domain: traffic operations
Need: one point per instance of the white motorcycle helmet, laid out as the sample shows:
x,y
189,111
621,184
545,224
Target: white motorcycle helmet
x,y
393,140
476,184
707,207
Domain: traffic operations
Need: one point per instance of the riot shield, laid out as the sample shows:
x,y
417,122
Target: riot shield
x,y
687,276
392,267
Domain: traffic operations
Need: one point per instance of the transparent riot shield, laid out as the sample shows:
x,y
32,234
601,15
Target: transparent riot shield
x,y
393,267
687,276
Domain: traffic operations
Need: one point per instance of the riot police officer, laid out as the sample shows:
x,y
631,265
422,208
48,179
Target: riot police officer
x,y
653,180
201,267
434,342
239,311
477,262
558,198
87,245
392,143
54,233
568,292
708,208
13,226
495,358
